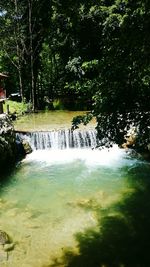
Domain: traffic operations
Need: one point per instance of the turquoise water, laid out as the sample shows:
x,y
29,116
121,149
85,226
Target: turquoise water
x,y
53,194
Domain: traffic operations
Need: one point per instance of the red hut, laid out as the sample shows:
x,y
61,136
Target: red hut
x,y
2,92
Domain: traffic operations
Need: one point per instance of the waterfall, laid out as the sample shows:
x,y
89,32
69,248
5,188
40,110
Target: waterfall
x,y
60,139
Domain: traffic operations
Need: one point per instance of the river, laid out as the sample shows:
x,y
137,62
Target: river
x,y
55,193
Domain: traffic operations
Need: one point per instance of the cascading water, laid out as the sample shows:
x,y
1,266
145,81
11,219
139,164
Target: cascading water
x,y
61,139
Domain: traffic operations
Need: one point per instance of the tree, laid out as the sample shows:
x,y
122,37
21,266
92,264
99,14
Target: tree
x,y
121,77
25,27
12,38
37,18
122,98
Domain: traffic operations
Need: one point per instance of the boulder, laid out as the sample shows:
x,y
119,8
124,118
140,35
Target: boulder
x,y
8,151
26,146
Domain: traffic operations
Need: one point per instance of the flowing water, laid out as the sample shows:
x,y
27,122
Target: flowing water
x,y
56,192
61,139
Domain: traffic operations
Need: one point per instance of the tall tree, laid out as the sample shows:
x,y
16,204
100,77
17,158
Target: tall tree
x,y
37,17
121,100
24,29
12,37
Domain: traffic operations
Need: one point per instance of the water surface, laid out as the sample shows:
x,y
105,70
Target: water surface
x,y
53,194
48,120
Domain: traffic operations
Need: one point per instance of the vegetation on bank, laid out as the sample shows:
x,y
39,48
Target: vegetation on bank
x,y
22,108
93,53
14,107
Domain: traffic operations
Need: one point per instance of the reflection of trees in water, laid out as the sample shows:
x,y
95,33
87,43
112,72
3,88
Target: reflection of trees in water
x,y
123,238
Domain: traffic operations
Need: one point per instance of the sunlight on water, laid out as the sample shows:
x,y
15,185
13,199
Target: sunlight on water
x,y
54,194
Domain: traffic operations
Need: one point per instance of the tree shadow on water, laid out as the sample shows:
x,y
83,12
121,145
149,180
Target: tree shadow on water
x,y
123,238
6,175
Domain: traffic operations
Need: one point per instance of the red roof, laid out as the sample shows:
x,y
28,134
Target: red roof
x,y
2,93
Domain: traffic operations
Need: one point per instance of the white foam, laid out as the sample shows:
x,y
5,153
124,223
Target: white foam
x,y
106,157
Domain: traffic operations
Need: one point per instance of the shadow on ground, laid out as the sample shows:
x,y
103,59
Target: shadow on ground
x,y
123,236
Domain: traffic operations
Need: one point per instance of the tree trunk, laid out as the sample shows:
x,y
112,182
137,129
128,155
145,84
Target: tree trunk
x,y
31,56
17,33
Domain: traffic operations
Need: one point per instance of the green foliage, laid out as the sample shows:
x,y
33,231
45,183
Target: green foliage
x,y
83,52
123,96
18,108
84,119
58,104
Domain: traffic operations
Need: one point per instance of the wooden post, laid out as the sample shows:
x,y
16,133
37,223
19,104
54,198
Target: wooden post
x,y
7,107
1,107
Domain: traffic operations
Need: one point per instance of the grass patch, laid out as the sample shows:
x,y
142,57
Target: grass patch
x,y
16,107
58,104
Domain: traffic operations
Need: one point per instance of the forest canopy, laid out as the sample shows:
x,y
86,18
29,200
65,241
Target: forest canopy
x,y
96,53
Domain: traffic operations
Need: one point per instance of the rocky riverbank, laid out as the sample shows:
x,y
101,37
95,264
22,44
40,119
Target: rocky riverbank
x,y
10,149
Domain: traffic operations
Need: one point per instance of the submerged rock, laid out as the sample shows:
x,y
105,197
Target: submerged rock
x,y
6,245
4,238
9,247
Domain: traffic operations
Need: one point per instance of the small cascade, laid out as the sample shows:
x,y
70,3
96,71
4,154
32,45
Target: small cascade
x,y
61,139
